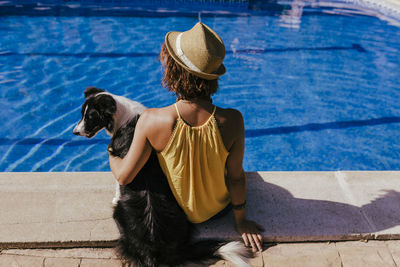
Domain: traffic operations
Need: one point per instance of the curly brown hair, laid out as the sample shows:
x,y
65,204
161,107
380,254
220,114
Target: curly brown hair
x,y
184,84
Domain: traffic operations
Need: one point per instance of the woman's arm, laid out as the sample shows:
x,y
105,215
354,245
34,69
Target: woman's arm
x,y
126,169
236,182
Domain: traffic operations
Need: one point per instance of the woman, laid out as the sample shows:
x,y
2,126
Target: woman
x,y
200,146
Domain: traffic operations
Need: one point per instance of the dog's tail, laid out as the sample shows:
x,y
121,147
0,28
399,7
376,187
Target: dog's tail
x,y
234,252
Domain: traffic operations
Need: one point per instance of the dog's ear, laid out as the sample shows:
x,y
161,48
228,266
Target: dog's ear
x,y
91,90
107,107
106,104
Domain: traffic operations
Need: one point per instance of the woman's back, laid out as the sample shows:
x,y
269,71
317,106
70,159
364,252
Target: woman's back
x,y
194,163
162,121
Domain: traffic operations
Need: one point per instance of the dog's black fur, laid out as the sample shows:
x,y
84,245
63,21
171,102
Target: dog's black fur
x,y
154,230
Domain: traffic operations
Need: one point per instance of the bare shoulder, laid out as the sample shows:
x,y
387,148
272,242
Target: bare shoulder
x,y
156,116
231,125
159,124
233,114
229,117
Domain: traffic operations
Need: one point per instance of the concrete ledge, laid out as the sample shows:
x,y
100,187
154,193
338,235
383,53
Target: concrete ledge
x,y
74,209
56,210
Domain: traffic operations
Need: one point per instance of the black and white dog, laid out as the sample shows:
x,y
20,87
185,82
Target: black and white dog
x,y
153,228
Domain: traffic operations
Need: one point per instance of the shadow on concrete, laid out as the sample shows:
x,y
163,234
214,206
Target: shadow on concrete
x,y
282,214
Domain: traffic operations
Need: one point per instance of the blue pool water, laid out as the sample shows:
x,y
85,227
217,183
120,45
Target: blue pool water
x,y
319,87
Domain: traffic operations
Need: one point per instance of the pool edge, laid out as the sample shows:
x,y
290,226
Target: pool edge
x,y
49,210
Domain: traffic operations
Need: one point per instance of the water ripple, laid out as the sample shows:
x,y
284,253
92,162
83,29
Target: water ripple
x,y
81,155
37,132
89,159
47,159
33,150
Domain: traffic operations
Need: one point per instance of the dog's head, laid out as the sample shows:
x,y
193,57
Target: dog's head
x,y
97,113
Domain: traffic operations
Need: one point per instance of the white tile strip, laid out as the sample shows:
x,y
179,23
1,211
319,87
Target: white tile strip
x,y
388,10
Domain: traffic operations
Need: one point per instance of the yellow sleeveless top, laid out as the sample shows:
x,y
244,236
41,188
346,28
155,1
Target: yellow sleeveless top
x,y
194,163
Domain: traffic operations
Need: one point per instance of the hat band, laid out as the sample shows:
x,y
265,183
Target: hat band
x,y
182,56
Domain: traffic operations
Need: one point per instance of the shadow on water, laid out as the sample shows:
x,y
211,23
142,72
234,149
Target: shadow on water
x,y
249,133
52,142
320,126
356,47
282,214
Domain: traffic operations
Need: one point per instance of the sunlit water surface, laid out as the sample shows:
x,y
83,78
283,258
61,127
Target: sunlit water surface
x,y
318,91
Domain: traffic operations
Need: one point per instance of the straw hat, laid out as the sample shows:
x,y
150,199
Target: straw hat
x,y
199,50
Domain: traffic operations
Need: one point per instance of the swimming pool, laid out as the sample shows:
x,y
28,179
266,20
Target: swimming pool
x,y
318,85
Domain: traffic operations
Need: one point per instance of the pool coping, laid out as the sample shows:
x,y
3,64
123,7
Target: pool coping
x,y
73,209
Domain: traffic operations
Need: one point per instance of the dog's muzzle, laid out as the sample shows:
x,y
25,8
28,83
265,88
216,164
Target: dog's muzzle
x,y
78,130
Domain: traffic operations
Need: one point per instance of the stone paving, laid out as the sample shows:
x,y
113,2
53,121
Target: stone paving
x,y
341,254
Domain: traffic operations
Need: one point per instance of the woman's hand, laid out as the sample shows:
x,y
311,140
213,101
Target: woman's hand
x,y
250,232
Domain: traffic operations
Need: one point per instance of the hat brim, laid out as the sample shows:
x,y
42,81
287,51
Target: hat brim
x,y
170,41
